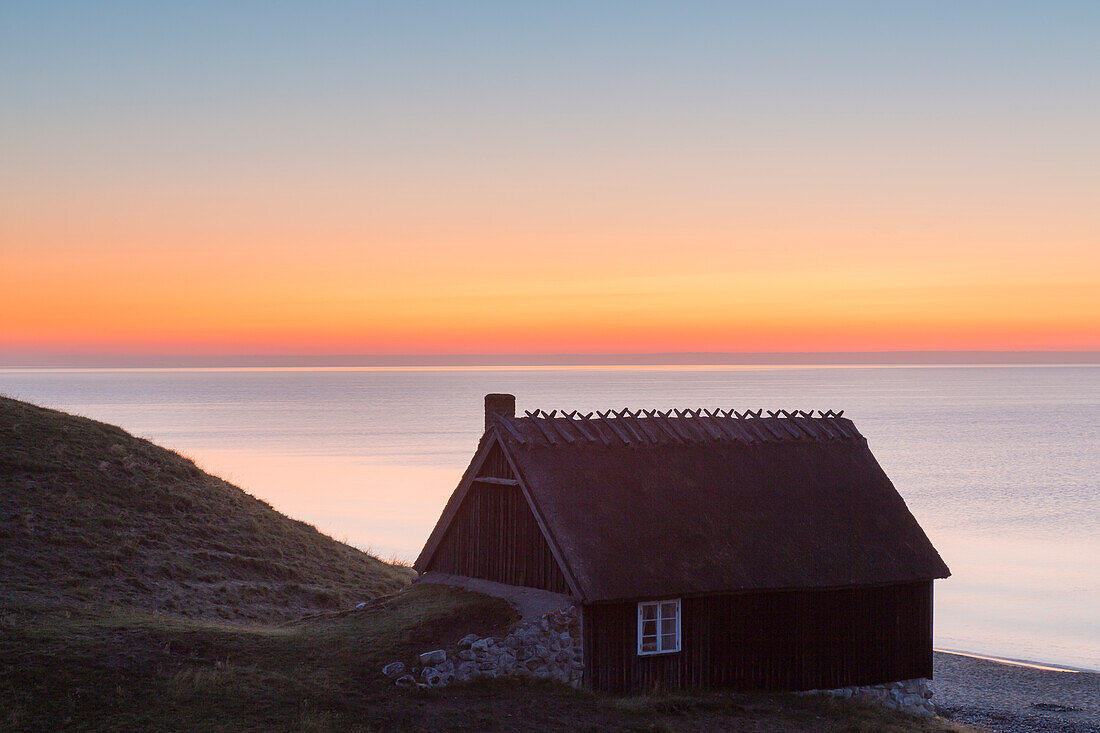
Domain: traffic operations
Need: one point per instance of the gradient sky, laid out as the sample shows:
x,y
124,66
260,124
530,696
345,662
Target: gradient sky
x,y
278,177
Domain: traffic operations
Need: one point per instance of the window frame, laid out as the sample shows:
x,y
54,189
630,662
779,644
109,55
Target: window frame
x,y
659,605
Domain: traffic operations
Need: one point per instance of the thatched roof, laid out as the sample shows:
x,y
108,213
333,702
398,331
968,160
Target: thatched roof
x,y
654,504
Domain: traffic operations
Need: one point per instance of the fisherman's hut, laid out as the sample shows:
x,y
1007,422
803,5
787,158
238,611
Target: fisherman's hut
x,y
705,548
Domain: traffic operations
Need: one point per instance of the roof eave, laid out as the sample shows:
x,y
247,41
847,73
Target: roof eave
x,y
747,591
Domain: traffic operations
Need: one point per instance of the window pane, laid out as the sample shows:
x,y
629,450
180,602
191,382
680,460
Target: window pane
x,y
658,627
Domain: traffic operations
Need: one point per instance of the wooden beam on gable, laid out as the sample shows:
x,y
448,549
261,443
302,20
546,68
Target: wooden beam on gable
x,y
537,421
630,421
675,426
559,429
734,426
581,425
511,429
613,427
659,420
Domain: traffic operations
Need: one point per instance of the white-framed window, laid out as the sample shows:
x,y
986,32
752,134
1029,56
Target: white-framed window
x,y
659,627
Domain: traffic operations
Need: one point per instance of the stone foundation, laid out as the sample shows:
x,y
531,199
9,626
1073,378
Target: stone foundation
x,y
909,696
549,647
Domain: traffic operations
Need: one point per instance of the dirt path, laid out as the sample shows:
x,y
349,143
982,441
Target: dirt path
x,y
530,603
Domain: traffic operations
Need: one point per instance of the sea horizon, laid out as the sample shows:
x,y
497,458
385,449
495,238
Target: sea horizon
x,y
684,359
995,461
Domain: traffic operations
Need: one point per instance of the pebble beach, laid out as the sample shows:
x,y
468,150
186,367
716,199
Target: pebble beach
x,y
1009,698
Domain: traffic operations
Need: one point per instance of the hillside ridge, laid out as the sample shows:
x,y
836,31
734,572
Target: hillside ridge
x,y
91,516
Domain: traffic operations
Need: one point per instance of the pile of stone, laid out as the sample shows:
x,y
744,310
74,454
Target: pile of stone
x,y
909,696
550,647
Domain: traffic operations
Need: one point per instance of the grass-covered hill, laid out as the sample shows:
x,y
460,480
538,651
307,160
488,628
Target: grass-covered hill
x,y
139,593
130,671
91,516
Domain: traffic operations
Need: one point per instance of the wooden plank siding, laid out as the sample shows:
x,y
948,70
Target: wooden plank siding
x,y
495,536
496,465
777,640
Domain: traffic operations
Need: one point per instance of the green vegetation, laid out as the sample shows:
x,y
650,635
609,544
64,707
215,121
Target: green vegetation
x,y
139,593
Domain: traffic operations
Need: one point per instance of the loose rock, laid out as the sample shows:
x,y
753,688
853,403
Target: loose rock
x,y
549,647
433,658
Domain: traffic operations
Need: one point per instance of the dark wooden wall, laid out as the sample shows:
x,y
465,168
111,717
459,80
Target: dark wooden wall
x,y
496,466
495,536
785,640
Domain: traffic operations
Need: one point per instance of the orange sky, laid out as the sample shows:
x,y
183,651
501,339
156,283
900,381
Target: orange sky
x,y
633,207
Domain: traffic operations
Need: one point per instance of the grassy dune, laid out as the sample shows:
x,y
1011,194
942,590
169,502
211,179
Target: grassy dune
x,y
92,516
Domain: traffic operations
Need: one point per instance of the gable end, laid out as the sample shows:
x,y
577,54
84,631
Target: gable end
x,y
489,530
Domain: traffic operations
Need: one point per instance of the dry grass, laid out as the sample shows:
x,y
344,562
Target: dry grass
x,y
139,593
132,670
90,515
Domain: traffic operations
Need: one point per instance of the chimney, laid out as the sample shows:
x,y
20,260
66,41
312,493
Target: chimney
x,y
499,404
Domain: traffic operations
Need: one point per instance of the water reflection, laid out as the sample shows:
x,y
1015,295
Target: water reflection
x,y
1038,600
384,508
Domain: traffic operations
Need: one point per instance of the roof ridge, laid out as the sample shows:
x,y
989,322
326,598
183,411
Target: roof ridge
x,y
696,426
697,412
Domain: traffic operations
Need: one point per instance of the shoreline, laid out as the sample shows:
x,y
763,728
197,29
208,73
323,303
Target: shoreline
x,y
1013,697
1016,662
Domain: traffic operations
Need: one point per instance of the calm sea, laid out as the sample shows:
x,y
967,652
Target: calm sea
x,y
1001,465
